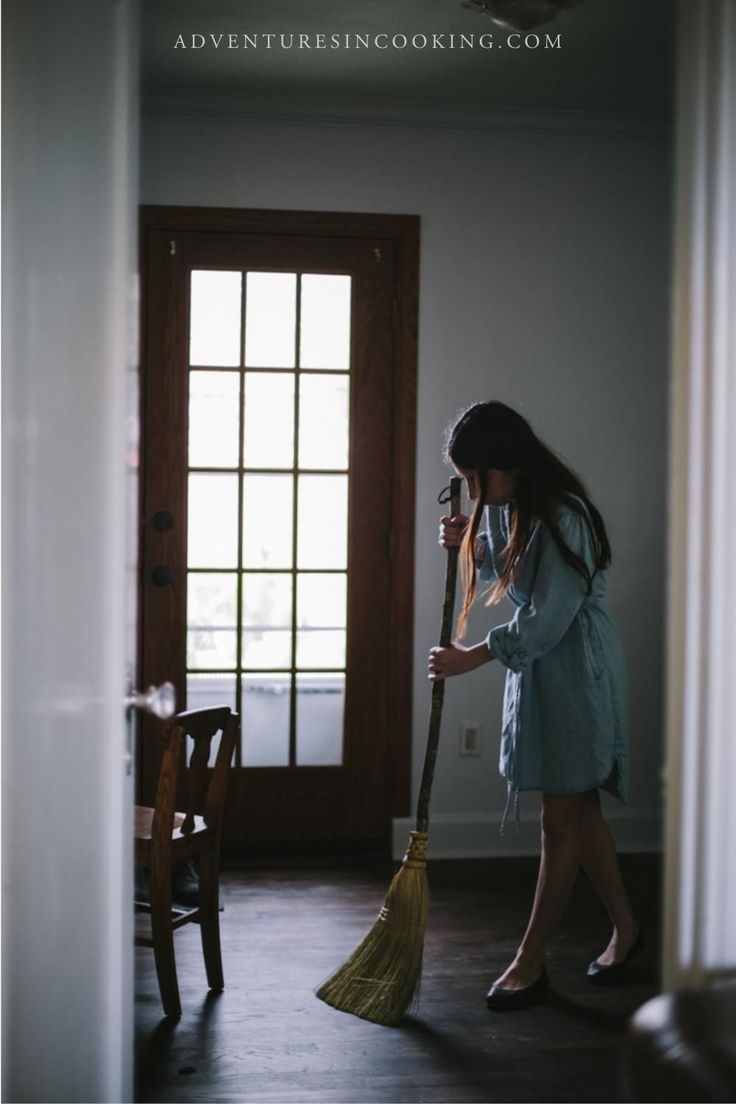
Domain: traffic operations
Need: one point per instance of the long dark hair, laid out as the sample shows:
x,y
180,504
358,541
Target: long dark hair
x,y
491,436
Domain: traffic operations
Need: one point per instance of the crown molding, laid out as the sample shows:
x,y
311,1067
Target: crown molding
x,y
277,109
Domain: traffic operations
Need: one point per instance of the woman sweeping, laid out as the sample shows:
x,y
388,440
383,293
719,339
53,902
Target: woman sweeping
x,y
537,537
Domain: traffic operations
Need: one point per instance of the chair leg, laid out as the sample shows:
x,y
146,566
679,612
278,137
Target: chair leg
x,y
163,940
209,918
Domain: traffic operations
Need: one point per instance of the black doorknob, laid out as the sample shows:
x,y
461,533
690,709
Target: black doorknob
x,y
161,576
162,521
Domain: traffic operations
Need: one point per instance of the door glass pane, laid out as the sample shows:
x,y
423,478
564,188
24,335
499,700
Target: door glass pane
x,y
270,320
267,620
321,619
262,415
269,420
325,322
320,706
205,692
322,539
214,334
265,717
323,421
267,520
211,620
213,521
214,403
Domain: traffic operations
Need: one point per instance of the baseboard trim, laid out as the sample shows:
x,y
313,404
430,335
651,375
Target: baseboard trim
x,y
477,836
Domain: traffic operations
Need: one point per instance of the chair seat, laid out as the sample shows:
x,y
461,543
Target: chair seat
x,y
144,823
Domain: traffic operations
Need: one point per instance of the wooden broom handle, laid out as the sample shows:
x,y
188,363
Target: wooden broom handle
x,y
438,687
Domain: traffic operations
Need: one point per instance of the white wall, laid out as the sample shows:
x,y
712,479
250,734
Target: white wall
x,y
70,131
544,282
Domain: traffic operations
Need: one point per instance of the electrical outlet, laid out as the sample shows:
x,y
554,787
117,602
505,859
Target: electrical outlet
x,y
470,738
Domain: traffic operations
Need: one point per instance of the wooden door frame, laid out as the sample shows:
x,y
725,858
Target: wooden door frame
x,y
403,231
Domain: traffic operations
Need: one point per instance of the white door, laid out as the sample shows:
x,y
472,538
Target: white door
x,y
69,441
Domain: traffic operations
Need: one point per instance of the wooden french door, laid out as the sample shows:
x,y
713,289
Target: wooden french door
x,y
272,577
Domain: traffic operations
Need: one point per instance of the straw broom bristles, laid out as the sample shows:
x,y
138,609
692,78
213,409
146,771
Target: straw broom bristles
x,y
380,979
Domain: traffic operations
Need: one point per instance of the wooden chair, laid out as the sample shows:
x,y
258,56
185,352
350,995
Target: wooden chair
x,y
164,837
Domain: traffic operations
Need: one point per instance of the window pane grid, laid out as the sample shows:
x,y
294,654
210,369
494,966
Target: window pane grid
x,y
331,670
238,369
268,570
241,451
269,471
295,523
323,684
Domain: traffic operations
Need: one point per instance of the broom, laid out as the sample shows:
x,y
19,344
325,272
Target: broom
x,y
380,979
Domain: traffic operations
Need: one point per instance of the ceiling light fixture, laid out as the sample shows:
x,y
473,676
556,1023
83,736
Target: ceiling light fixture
x,y
521,15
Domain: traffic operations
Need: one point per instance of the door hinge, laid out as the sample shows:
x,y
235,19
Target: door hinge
x,y
172,248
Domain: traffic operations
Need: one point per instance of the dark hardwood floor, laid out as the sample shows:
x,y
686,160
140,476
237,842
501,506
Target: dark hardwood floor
x,y
268,1039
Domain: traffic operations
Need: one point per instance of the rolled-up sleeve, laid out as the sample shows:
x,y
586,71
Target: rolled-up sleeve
x,y
558,592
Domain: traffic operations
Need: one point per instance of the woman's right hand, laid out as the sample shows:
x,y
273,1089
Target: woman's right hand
x,y
451,530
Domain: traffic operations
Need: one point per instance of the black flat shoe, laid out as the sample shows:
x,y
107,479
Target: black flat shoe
x,y
501,1000
616,972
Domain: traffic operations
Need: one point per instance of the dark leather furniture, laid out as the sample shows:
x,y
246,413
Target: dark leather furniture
x,y
681,1047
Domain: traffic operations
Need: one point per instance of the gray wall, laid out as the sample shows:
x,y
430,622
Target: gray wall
x,y
544,282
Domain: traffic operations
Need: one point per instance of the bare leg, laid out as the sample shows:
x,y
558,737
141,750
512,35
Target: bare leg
x,y
600,862
558,868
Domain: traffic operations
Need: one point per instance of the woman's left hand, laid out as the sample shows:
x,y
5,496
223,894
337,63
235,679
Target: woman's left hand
x,y
455,660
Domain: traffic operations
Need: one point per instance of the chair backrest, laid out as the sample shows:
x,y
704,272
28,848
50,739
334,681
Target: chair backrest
x,y
205,790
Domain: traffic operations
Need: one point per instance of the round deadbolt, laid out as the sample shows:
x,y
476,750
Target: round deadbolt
x,y
163,521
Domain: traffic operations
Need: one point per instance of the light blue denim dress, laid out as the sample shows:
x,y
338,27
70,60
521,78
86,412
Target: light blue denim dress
x,y
565,708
